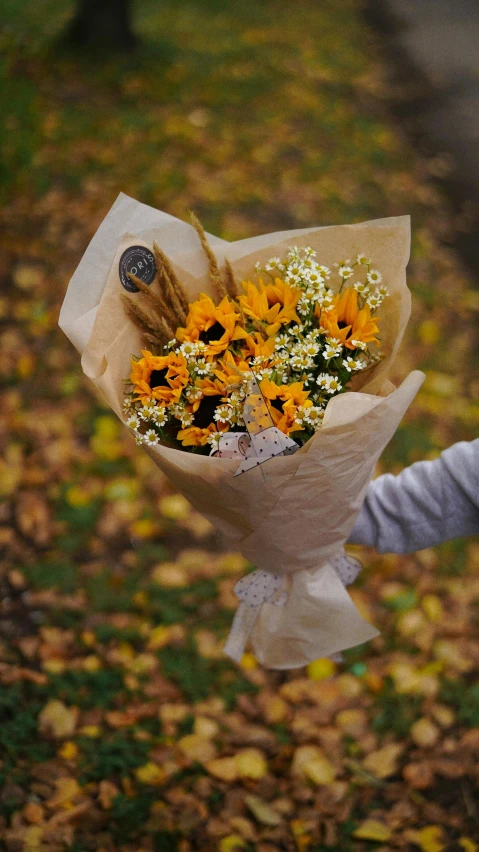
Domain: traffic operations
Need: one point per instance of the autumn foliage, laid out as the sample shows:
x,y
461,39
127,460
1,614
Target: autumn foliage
x,y
122,725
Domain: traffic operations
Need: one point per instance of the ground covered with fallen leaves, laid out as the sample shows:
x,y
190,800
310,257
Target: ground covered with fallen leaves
x,y
122,726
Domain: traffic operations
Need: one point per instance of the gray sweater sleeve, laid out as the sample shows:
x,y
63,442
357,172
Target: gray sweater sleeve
x,y
426,504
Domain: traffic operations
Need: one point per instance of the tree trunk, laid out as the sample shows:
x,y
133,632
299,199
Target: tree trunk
x,y
102,24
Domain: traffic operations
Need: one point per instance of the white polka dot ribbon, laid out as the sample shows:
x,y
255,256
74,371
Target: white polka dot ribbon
x,y
262,587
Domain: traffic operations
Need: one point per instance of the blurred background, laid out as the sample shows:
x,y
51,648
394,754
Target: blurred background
x,y
122,726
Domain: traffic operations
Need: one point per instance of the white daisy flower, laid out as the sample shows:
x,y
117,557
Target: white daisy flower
x,y
139,438
204,367
374,300
160,416
273,263
331,350
309,252
324,298
345,272
383,291
363,260
147,410
299,416
334,385
314,416
314,278
325,271
150,437
359,344
282,340
214,439
265,373
323,380
311,348
374,276
133,422
192,393
186,418
361,288
188,349
225,413
353,364
258,268
303,306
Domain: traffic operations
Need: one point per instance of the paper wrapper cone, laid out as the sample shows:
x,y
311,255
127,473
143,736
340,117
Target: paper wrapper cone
x,y
292,515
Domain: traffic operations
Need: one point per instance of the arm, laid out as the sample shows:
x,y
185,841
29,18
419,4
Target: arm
x,y
428,503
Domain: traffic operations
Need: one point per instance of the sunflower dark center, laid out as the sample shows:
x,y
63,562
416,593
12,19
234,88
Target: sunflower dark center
x,y
214,333
206,409
158,378
278,404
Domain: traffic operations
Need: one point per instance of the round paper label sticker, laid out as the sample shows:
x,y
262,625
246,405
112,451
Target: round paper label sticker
x,y
138,261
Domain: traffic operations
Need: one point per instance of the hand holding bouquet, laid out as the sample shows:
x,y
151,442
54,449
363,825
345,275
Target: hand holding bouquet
x,y
305,327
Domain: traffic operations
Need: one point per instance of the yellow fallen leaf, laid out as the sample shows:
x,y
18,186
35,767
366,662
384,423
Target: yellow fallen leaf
x,y
205,727
57,720
92,731
275,709
175,507
433,608
310,762
250,763
443,715
224,768
263,812
66,790
53,665
248,662
159,637
373,829
383,762
170,574
232,842
69,750
91,663
321,669
143,664
32,839
425,733
429,332
208,644
150,773
429,839
450,653
197,747
352,722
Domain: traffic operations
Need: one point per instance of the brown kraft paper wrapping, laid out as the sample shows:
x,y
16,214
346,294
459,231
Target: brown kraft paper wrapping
x,y
292,514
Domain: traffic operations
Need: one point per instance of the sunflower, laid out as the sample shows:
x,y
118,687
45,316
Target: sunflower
x,y
255,347
213,392
346,322
195,436
215,325
160,377
272,304
283,403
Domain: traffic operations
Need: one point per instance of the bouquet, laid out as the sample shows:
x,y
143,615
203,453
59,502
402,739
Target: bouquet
x,y
298,327
262,350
